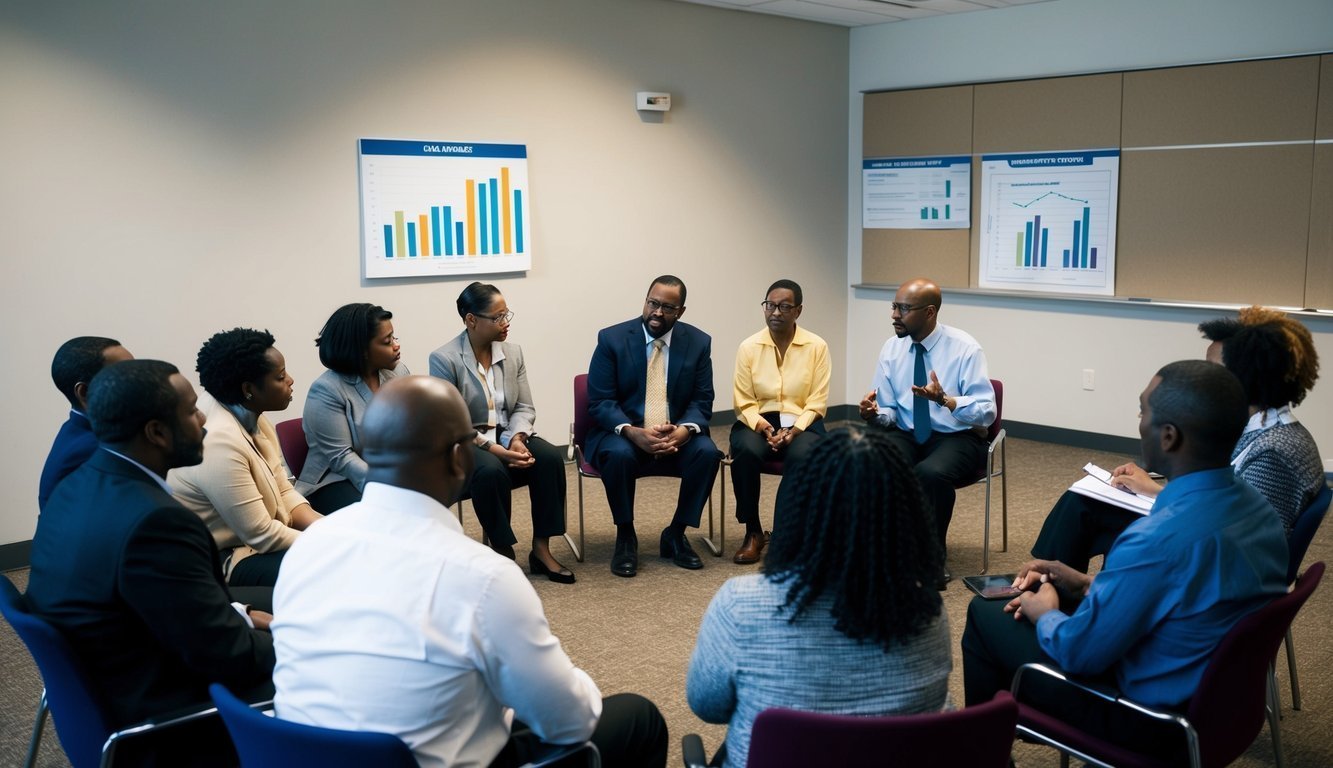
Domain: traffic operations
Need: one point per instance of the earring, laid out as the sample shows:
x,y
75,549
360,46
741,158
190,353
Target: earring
x,y
248,396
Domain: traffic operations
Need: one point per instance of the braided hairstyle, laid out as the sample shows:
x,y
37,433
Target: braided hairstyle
x,y
852,522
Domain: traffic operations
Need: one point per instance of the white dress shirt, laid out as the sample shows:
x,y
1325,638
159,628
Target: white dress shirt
x,y
389,618
958,362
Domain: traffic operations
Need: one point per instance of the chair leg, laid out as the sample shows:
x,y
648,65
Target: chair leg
x,y
578,550
38,725
985,536
1291,670
717,547
1274,721
1004,500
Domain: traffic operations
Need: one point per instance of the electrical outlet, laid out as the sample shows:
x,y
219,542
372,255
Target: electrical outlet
x,y
1088,379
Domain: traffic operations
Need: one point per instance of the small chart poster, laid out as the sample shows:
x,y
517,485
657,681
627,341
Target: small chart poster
x,y
1048,221
431,208
916,192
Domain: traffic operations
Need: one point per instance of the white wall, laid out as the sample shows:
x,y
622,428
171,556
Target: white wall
x,y
1040,348
175,169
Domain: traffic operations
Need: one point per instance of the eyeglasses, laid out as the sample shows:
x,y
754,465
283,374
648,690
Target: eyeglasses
x,y
470,437
903,309
670,310
784,307
503,319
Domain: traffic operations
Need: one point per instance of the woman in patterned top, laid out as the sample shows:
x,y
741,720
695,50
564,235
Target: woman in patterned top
x,y
1275,359
844,618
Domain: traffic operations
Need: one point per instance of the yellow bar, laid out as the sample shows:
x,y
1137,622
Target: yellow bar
x,y
423,233
504,202
471,217
400,232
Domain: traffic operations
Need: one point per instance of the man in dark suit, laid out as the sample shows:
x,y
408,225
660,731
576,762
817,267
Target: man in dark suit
x,y
75,364
132,578
650,393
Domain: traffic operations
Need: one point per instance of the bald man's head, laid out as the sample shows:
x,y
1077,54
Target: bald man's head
x,y
914,308
416,434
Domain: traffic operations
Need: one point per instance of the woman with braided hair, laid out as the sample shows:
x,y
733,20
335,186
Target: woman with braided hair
x,y
844,617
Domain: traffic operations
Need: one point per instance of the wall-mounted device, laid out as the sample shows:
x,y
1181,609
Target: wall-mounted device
x,y
651,101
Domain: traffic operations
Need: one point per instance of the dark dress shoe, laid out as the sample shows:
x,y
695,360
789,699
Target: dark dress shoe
x,y
505,549
677,548
625,562
538,568
945,578
752,548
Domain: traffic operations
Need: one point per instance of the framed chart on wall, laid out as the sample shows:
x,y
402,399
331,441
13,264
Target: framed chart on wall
x,y
432,208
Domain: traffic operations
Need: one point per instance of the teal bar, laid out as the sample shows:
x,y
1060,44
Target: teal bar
x,y
948,188
411,240
496,243
481,216
448,230
518,221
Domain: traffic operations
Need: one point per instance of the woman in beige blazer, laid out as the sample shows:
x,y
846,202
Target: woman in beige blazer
x,y
241,490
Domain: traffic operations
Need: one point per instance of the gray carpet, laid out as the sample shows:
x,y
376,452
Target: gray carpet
x,y
637,634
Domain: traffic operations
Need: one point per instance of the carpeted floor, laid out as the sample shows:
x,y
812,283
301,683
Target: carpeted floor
x,y
637,634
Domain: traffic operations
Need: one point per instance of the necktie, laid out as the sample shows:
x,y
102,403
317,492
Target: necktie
x,y
655,395
920,406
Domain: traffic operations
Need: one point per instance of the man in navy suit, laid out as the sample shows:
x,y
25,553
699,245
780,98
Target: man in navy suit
x,y
132,579
75,364
636,433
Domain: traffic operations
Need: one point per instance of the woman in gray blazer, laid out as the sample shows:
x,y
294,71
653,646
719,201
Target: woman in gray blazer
x,y
359,349
490,374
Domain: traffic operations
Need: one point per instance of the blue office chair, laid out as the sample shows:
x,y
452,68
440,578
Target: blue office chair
x,y
1302,533
81,719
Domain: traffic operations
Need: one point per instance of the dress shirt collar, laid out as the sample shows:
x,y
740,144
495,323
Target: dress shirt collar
x,y
648,337
930,341
406,502
1202,480
1270,417
160,481
801,338
248,418
497,352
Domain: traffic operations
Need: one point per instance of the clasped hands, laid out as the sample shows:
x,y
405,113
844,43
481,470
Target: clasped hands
x,y
777,438
658,440
516,455
1043,582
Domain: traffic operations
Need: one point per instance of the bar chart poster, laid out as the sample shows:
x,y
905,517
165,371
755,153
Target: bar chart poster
x,y
916,192
1048,221
431,208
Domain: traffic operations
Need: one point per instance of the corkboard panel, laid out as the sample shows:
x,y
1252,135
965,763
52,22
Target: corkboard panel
x,y
1047,115
930,121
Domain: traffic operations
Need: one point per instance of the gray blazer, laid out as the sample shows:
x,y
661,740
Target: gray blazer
x,y
332,425
455,363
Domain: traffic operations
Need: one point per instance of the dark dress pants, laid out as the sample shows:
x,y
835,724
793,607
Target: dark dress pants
x,y
630,733
492,484
258,570
995,646
334,497
621,464
749,450
945,462
1078,528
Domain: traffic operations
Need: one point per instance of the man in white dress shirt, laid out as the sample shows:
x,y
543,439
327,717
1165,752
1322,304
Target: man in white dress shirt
x,y
933,393
393,620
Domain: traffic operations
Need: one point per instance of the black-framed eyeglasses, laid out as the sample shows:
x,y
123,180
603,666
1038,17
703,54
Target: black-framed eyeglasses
x,y
501,319
903,309
784,307
670,310
470,437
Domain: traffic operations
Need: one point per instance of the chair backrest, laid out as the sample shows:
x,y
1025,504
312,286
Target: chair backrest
x,y
267,742
998,424
1302,533
980,736
81,721
291,437
582,419
1227,710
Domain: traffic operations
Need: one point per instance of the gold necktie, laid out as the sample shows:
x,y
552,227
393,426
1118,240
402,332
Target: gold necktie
x,y
655,396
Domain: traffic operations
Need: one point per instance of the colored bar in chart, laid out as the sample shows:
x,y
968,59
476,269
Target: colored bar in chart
x,y
1065,262
1078,248
471,218
925,213
388,241
518,221
411,239
495,216
1093,263
1018,252
400,235
948,188
423,231
1087,232
947,211
458,237
481,218
492,225
508,212
435,230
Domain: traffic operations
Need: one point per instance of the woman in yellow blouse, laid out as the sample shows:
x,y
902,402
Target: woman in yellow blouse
x,y
781,396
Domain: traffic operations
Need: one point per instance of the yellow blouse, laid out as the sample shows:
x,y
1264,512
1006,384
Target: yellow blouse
x,y
799,386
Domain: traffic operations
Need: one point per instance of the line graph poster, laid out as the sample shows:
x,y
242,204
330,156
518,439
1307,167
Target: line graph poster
x,y
1048,221
916,192
431,208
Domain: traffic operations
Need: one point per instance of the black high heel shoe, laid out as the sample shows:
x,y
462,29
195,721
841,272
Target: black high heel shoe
x,y
562,576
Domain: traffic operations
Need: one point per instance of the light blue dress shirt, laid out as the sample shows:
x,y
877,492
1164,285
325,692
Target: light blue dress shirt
x,y
959,364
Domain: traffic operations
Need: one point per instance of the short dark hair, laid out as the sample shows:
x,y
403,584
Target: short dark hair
x,y
1205,402
122,398
853,524
476,298
1273,355
79,359
346,336
790,285
229,359
670,281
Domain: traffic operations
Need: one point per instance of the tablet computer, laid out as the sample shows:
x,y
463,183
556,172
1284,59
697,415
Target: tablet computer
x,y
993,587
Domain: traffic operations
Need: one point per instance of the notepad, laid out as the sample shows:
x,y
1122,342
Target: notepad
x,y
1097,484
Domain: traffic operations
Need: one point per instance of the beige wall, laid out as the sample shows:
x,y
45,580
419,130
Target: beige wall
x,y
177,169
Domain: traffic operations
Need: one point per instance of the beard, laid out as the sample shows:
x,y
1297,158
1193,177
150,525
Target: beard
x,y
186,453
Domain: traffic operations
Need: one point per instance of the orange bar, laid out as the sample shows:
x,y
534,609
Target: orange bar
x,y
471,217
504,202
423,234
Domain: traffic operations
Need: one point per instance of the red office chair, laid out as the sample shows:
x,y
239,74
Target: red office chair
x,y
1222,717
291,438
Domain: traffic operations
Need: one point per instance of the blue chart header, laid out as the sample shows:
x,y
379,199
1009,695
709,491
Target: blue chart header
x,y
914,162
441,148
1052,159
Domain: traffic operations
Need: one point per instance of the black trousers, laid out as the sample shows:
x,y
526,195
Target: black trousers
x,y
749,450
945,462
995,646
492,484
630,733
1079,528
334,497
621,464
258,570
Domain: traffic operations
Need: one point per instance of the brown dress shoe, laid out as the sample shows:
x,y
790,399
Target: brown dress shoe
x,y
752,548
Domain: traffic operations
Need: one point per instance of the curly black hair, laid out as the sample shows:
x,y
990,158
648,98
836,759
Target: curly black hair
x,y
853,523
229,359
1273,355
79,360
346,336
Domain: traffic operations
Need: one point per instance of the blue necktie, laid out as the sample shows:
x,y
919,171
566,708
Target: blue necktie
x,y
920,406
